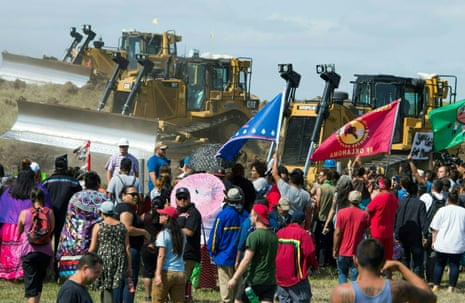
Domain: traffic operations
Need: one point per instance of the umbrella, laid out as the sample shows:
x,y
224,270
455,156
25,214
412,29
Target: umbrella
x,y
203,159
207,193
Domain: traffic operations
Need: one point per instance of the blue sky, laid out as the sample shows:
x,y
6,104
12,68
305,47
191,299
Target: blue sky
x,y
380,37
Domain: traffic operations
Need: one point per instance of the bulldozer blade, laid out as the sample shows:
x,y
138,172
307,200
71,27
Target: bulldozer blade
x,y
35,70
69,127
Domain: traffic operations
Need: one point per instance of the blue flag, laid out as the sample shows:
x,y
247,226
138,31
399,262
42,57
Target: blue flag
x,y
263,126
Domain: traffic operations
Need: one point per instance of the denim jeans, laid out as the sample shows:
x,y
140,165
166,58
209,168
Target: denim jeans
x,y
454,262
412,256
345,265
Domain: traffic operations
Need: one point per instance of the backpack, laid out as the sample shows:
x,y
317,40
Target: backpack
x,y
435,205
40,232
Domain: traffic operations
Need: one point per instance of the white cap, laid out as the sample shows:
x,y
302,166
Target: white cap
x,y
35,167
123,142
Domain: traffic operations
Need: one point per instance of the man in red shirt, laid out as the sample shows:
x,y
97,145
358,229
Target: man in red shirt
x,y
382,210
351,225
294,259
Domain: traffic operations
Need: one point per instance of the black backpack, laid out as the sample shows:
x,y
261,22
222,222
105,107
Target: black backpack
x,y
435,205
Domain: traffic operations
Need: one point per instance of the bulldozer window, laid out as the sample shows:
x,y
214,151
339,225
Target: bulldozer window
x,y
154,45
364,97
219,78
196,87
412,105
133,46
385,93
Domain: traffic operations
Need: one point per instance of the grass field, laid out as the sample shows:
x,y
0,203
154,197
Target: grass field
x,y
13,292
322,283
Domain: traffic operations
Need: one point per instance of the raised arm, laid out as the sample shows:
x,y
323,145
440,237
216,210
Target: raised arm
x,y
412,288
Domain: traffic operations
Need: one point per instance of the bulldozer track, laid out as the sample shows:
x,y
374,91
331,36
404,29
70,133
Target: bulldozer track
x,y
212,128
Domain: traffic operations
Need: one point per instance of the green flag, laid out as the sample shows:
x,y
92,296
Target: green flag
x,y
448,123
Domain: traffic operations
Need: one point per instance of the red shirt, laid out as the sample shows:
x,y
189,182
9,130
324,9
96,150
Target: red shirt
x,y
352,222
296,253
382,210
273,196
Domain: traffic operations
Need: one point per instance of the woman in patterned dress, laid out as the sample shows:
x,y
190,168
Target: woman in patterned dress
x,y
82,215
110,240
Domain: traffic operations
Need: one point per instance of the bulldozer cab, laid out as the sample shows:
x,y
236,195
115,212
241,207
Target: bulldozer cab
x,y
211,82
151,44
374,91
371,92
417,95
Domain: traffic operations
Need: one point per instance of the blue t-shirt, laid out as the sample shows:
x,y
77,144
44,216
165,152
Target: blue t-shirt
x,y
172,262
153,164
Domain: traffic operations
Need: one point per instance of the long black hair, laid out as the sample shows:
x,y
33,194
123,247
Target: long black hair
x,y
177,236
23,184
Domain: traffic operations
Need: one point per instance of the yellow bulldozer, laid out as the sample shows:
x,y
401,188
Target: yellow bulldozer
x,y
308,123
165,97
191,96
82,62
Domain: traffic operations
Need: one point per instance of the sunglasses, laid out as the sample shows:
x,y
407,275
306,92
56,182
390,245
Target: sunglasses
x,y
185,198
133,194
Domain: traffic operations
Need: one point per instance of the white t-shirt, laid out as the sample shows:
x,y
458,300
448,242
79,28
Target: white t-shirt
x,y
449,222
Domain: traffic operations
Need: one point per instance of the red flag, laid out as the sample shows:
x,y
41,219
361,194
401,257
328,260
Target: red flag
x,y
369,134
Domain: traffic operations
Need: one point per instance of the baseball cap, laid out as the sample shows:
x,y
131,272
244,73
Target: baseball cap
x,y
284,204
123,142
234,195
355,196
169,211
298,216
182,190
107,207
220,172
262,212
161,145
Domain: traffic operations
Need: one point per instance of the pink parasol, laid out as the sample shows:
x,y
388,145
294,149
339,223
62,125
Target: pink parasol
x,y
207,193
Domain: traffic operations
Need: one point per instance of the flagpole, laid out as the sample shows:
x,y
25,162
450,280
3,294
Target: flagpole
x,y
278,130
392,137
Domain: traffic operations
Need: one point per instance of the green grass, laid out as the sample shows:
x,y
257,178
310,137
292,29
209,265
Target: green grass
x,y
13,292
322,283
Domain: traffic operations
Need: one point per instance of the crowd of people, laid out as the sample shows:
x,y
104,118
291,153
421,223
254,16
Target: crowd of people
x,y
272,231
